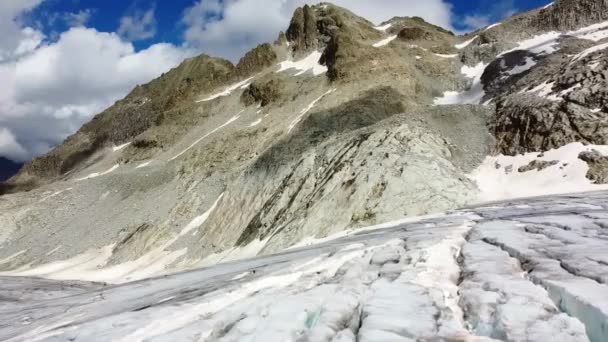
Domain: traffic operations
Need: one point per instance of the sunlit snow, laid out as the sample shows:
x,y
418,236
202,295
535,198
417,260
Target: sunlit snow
x,y
465,44
228,90
98,174
383,27
384,41
308,63
120,147
231,120
498,177
473,95
307,109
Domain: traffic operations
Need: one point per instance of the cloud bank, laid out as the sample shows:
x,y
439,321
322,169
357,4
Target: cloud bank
x,y
51,89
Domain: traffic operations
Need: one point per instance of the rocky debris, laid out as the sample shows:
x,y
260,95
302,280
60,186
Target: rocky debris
x,y
263,92
537,165
598,166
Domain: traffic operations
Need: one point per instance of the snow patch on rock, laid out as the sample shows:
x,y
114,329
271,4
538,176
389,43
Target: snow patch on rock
x,y
227,91
231,120
308,63
465,44
384,41
99,174
498,177
473,95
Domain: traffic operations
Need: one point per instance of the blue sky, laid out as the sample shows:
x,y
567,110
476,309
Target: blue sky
x,y
64,61
104,15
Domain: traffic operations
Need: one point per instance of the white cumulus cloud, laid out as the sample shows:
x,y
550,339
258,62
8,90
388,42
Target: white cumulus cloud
x,y
56,87
12,35
10,148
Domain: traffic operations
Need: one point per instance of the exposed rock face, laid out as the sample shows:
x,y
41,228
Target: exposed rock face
x,y
561,99
263,92
527,123
302,30
537,165
598,166
570,14
256,60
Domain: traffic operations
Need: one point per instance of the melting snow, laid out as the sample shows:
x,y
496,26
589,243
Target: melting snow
x,y
529,63
471,96
473,72
589,51
120,147
569,175
384,41
383,27
255,123
11,257
446,56
310,62
414,46
547,43
541,44
595,32
465,44
542,90
594,65
232,119
199,220
56,193
98,174
228,90
142,165
491,26
307,109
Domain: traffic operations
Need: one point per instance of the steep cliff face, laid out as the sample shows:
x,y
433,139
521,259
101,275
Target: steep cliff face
x,y
338,124
571,14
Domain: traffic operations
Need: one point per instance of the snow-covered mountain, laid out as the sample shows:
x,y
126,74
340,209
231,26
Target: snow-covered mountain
x,y
337,126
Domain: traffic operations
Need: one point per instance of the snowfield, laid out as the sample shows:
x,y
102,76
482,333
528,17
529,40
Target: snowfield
x,y
309,63
499,178
526,270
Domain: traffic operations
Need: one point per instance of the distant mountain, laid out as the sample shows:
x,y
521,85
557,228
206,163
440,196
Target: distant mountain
x,y
8,168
